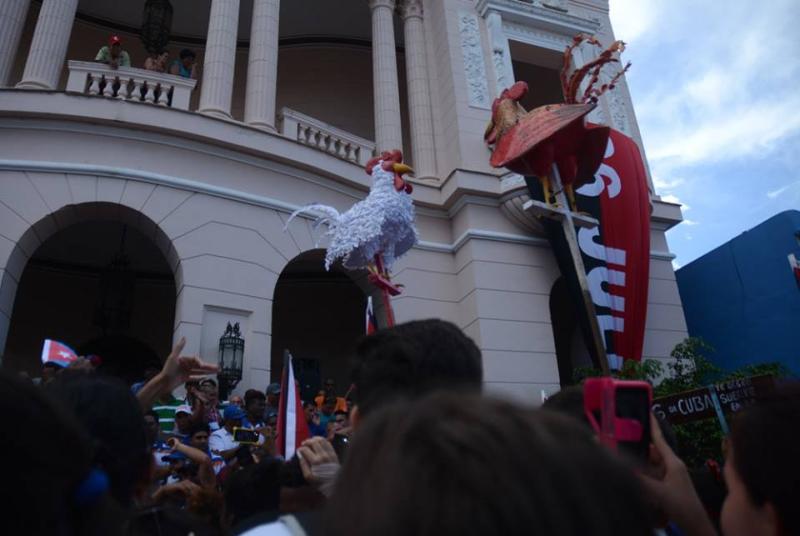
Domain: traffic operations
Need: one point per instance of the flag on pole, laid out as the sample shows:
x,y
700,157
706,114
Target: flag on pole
x,y
795,264
371,320
57,353
292,426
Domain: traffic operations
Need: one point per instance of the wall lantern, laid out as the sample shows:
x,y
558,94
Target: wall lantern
x,y
156,25
231,352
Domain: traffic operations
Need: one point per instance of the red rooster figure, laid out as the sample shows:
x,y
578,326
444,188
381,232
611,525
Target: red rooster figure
x,y
530,143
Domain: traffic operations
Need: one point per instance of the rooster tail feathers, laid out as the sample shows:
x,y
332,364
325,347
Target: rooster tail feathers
x,y
325,215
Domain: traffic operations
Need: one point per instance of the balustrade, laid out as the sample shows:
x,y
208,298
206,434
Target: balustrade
x,y
324,137
131,84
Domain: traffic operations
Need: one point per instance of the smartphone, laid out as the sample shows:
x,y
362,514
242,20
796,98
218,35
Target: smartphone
x,y
619,412
247,436
340,443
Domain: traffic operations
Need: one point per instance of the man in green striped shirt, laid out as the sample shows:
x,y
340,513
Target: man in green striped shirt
x,y
165,409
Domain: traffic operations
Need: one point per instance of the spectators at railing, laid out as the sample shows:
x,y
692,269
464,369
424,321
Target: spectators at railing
x,y
186,65
423,453
112,54
157,61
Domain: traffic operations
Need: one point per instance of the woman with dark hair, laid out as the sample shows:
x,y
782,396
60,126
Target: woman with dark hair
x,y
186,66
111,415
461,464
50,483
762,469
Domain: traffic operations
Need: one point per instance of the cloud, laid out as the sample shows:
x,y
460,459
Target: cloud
x,y
663,185
631,19
746,130
675,264
707,94
687,221
672,198
772,194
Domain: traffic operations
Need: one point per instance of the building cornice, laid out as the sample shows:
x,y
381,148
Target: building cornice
x,y
540,17
263,201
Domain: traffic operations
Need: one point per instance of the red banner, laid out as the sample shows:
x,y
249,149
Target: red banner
x,y
619,281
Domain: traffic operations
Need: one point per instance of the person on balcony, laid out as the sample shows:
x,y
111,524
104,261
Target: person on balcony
x,y
186,66
113,55
157,62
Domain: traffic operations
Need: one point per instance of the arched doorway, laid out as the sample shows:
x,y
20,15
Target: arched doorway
x,y
101,285
571,350
318,316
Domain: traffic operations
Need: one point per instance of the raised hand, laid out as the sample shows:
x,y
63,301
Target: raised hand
x,y
178,369
670,487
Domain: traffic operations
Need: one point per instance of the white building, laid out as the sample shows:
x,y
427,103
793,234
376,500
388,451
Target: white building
x,y
293,98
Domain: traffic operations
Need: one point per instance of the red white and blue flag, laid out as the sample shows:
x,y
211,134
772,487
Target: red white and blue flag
x,y
371,320
292,426
57,353
795,264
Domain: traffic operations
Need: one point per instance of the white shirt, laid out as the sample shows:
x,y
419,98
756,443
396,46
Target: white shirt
x,y
221,439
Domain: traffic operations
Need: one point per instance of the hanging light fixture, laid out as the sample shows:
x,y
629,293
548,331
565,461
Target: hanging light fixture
x,y
231,353
156,25
117,286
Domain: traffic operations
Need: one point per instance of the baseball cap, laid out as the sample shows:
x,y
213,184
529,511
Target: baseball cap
x,y
114,40
274,389
183,409
233,412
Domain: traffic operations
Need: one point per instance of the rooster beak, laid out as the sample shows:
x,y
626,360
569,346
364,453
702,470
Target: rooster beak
x,y
401,169
400,184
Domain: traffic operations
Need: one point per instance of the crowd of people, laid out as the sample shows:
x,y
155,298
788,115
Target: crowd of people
x,y
413,447
115,56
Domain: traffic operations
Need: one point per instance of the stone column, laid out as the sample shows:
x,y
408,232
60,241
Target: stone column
x,y
501,52
49,46
419,97
220,57
12,19
388,129
262,65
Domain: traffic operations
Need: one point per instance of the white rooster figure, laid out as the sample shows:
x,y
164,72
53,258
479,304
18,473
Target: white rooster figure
x,y
374,232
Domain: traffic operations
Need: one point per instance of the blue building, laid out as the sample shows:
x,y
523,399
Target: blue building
x,y
743,297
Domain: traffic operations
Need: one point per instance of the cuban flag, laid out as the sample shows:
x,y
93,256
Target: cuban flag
x,y
795,264
371,320
292,426
58,353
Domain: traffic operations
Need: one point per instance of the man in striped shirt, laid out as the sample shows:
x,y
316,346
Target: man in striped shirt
x,y
165,408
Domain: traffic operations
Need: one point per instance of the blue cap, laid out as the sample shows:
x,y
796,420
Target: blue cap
x,y
233,412
174,457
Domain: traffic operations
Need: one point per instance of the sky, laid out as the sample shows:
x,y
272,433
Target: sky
x,y
716,90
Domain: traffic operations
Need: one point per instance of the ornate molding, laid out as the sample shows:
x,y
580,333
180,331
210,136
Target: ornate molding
x,y
535,15
374,4
474,64
411,9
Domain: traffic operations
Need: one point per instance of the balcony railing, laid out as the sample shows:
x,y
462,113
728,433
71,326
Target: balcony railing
x,y
326,138
128,83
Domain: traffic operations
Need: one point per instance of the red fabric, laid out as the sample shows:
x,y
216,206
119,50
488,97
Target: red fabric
x,y
292,426
626,225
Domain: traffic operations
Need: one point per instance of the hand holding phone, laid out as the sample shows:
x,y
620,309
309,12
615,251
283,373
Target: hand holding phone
x,y
619,412
246,436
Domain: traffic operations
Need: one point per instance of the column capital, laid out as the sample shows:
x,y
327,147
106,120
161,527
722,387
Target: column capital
x,y
374,4
411,9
